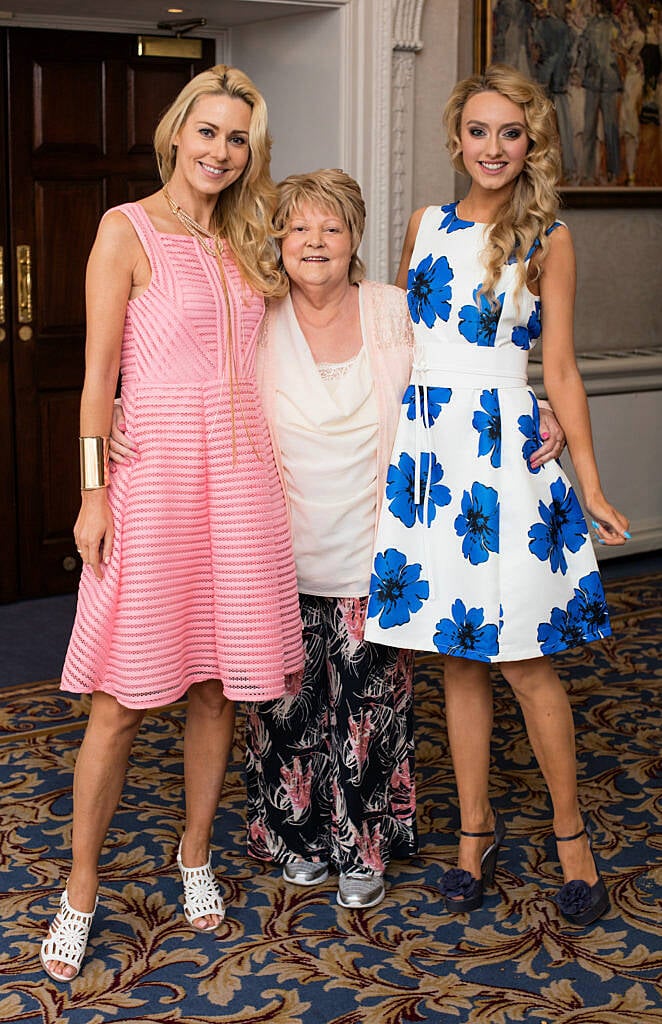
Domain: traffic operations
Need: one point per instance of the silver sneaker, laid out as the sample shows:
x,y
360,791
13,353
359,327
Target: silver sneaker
x,y
306,872
359,889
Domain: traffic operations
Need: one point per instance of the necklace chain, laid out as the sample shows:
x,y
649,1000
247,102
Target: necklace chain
x,y
209,241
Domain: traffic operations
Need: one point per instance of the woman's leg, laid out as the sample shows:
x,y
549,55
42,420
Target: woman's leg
x,y
208,737
468,698
370,699
287,762
98,781
548,717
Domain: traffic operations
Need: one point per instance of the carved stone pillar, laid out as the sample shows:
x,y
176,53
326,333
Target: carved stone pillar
x,y
406,44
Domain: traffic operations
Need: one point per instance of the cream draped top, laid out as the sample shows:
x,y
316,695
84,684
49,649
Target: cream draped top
x,y
327,427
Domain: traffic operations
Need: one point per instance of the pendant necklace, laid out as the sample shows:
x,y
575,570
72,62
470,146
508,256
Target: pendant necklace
x,y
209,241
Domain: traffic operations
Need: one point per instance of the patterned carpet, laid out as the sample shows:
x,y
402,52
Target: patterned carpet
x,y
288,956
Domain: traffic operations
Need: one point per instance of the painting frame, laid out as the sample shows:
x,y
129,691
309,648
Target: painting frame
x,y
574,193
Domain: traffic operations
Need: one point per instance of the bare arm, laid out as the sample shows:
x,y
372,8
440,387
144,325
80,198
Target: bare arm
x,y
408,248
564,385
108,284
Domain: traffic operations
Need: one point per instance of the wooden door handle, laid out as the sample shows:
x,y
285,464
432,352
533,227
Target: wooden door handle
x,y
24,277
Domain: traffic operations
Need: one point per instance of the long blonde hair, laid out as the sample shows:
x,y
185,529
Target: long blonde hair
x,y
326,189
531,209
242,214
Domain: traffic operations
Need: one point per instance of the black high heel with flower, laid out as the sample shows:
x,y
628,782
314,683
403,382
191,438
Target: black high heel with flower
x,y
463,892
579,902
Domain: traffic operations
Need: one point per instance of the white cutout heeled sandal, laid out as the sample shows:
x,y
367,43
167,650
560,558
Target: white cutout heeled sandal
x,y
201,893
66,941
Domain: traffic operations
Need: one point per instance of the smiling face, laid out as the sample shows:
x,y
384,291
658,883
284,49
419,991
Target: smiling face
x,y
494,141
317,249
212,144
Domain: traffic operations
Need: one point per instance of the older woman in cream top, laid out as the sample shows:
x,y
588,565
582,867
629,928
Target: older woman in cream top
x,y
331,765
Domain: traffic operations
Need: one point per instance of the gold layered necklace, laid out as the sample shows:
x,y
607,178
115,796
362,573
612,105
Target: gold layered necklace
x,y
209,241
213,244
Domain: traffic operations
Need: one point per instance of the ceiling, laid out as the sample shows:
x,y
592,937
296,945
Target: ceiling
x,y
219,14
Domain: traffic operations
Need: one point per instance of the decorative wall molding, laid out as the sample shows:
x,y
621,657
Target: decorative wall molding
x,y
406,44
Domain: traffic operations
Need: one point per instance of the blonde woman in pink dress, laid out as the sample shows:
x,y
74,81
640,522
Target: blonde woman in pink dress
x,y
188,586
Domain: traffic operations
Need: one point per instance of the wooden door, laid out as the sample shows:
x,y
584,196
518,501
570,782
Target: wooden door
x,y
82,108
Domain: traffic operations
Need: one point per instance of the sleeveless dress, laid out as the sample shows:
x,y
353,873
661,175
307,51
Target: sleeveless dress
x,y
477,554
201,583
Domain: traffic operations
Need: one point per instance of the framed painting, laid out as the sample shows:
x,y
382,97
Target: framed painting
x,y
601,63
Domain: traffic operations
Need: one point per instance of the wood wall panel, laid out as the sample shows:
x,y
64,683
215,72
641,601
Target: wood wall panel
x,y
68,107
67,215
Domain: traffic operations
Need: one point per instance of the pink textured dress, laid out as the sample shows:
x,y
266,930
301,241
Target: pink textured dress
x,y
201,582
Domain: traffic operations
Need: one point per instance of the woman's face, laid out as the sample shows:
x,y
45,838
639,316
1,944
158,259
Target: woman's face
x,y
317,249
494,140
212,144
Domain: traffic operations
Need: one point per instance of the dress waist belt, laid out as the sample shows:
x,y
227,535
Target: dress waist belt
x,y
469,366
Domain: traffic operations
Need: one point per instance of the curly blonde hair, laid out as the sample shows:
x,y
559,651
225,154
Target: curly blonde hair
x,y
327,189
530,211
243,212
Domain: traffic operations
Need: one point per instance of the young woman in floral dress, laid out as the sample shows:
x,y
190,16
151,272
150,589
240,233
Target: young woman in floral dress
x,y
482,554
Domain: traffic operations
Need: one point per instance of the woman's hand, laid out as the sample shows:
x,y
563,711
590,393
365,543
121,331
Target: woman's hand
x,y
553,438
610,526
94,531
122,448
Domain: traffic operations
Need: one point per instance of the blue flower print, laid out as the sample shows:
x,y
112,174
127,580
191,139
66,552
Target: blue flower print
x,y
488,425
400,489
536,244
530,427
478,324
563,630
451,221
592,604
585,618
429,291
562,526
479,523
434,398
524,337
465,636
396,589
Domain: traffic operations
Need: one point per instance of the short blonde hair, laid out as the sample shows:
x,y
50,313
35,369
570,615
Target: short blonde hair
x,y
532,208
327,189
243,211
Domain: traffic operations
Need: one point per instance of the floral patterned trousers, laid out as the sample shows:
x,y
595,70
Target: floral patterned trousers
x,y
330,765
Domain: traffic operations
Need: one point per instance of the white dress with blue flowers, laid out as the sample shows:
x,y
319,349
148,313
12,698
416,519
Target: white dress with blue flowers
x,y
478,555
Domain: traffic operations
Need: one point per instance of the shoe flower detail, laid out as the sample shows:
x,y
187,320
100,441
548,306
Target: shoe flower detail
x,y
404,504
451,221
429,291
431,400
465,635
396,589
488,425
457,884
562,526
530,427
585,616
524,336
479,523
574,897
478,323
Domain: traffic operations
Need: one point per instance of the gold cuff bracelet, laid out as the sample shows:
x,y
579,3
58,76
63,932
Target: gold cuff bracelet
x,y
93,462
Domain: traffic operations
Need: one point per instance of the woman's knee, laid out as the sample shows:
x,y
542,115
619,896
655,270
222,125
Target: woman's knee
x,y
109,716
465,672
209,698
